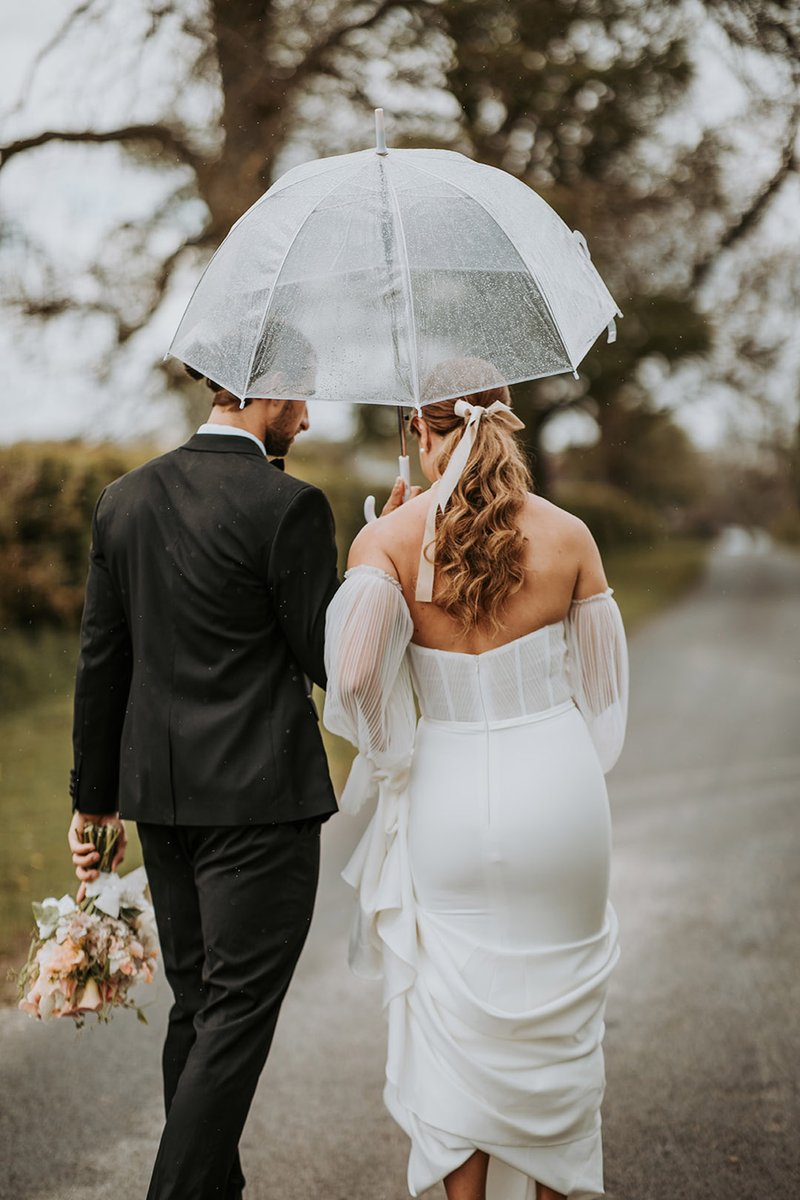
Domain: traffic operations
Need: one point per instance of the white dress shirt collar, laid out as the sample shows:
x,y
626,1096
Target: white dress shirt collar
x,y
210,427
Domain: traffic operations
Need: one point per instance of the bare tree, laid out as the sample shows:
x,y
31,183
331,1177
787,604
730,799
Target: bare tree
x,y
267,68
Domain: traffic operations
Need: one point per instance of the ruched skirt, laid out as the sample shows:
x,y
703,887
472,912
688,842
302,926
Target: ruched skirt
x,y
483,883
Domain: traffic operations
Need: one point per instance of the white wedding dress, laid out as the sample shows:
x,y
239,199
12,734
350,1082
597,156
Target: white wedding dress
x,y
482,879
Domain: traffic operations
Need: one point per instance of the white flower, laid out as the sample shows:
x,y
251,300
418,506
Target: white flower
x,y
49,913
111,892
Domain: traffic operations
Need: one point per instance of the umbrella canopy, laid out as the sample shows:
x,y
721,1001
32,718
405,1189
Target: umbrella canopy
x,y
381,277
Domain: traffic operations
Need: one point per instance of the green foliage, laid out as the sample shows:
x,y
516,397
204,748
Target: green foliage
x,y
754,490
47,496
643,453
648,578
615,518
33,662
660,327
786,527
558,87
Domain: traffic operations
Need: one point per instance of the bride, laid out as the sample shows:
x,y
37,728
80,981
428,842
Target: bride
x,y
482,878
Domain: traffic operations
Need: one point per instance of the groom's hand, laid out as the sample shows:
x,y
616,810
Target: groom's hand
x,y
84,854
397,497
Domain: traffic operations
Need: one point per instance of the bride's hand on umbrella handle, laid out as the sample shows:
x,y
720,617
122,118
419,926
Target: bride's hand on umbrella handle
x,y
397,496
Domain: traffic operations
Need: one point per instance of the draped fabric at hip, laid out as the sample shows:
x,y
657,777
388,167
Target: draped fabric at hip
x,y
482,880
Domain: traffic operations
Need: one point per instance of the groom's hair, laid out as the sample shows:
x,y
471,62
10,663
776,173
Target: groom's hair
x,y
296,350
193,374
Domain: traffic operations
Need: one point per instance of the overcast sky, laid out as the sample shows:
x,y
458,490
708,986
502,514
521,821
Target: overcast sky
x,y
51,391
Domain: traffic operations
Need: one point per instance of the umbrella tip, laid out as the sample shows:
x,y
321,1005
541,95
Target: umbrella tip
x,y
380,133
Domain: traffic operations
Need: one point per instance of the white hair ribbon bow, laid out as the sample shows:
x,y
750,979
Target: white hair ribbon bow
x,y
472,414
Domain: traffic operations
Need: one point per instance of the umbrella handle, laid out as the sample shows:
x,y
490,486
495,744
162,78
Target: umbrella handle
x,y
404,471
404,467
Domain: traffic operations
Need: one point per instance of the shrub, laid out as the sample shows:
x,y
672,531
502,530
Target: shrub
x,y
47,495
615,519
786,527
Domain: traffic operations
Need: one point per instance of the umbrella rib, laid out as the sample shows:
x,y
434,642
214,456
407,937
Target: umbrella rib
x,y
509,239
286,254
406,274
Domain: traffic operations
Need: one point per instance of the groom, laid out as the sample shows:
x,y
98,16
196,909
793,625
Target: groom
x,y
210,573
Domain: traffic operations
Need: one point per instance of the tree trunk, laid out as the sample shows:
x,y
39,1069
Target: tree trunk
x,y
253,117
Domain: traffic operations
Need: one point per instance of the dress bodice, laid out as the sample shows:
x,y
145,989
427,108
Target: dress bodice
x,y
373,669
519,678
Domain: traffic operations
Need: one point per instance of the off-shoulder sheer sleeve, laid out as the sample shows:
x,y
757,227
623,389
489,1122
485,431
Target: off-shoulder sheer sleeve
x,y
598,670
369,700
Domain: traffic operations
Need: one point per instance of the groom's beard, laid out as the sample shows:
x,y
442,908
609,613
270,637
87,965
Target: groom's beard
x,y
281,433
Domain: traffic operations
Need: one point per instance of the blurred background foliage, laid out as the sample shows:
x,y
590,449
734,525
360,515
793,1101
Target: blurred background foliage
x,y
594,103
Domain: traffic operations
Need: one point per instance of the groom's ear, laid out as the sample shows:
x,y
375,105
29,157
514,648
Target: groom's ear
x,y
272,408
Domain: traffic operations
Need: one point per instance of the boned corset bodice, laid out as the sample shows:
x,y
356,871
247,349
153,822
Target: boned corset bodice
x,y
526,676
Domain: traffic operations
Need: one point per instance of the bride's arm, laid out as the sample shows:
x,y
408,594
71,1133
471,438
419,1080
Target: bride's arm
x,y
598,656
591,577
369,699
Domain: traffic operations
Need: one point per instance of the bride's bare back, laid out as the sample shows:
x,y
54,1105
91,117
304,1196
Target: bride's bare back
x,y
562,563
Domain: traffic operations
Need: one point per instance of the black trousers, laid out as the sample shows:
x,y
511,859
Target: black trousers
x,y
233,906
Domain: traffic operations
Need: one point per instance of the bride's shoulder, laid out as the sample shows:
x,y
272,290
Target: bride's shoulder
x,y
548,517
371,548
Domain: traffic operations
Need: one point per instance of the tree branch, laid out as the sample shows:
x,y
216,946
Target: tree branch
x,y
162,280
168,140
52,42
315,59
750,217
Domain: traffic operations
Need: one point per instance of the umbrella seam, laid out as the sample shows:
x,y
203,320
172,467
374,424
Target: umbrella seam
x,y
286,254
405,271
510,240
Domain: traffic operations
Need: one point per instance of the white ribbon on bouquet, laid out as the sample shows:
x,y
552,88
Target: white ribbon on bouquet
x,y
111,891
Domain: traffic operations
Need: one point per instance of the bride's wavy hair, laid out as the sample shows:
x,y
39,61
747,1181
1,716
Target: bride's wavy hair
x,y
479,547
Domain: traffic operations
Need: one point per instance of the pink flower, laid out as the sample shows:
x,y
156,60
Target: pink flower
x,y
60,959
87,999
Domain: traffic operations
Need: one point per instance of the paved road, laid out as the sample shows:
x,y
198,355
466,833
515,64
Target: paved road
x,y
703,1041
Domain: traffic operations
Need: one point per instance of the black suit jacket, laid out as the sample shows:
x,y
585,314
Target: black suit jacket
x,y
210,573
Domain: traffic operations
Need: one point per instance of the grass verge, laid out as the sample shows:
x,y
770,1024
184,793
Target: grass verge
x,y
647,579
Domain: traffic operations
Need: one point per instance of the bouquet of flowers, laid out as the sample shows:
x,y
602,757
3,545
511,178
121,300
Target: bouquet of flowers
x,y
85,956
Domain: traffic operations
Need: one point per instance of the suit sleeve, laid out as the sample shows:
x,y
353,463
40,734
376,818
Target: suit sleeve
x,y
303,578
102,685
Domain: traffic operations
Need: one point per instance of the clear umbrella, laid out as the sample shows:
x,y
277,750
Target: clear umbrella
x,y
390,277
